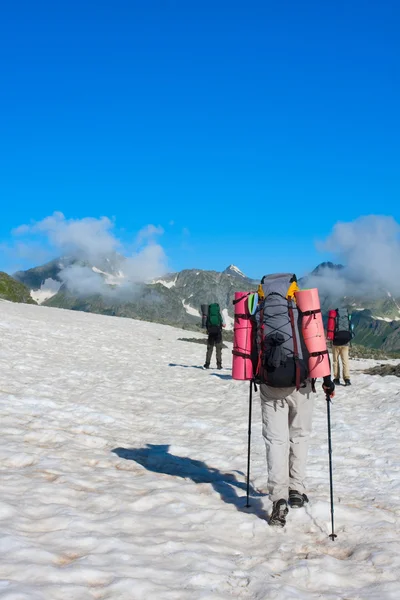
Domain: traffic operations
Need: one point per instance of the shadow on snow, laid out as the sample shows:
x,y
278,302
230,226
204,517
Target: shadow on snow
x,y
221,376
156,458
186,366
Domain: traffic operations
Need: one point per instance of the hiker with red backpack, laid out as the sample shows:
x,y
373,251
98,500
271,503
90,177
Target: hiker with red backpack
x,y
287,393
340,332
214,324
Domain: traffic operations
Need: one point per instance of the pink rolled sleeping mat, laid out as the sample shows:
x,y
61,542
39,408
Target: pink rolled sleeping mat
x,y
330,332
242,366
313,332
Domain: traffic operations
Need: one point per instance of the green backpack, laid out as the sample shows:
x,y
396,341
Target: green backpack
x,y
214,317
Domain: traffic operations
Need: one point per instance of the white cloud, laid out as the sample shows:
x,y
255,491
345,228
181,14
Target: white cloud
x,y
87,239
147,264
93,241
369,248
83,281
148,234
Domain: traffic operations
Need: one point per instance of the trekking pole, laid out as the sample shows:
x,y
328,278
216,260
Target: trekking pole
x,y
328,408
248,443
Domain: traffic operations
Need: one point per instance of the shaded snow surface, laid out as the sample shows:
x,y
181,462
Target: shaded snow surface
x,y
123,474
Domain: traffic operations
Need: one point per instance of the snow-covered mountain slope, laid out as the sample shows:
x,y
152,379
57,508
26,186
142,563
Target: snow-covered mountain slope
x,y
234,270
45,281
123,473
174,298
106,288
47,290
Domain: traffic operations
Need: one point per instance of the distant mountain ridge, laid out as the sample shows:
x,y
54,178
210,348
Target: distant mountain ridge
x,y
327,266
175,298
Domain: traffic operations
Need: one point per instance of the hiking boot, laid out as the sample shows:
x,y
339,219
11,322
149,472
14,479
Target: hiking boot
x,y
297,500
347,382
336,381
219,366
206,365
279,512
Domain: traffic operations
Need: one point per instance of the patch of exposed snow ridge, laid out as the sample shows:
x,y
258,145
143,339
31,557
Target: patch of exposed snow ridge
x,y
387,319
394,302
190,310
48,289
228,320
236,270
167,284
109,278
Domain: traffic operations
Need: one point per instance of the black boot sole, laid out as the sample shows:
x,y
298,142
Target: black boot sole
x,y
298,502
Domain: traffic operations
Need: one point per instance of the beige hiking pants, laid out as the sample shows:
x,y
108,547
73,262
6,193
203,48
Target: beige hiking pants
x,y
343,352
287,421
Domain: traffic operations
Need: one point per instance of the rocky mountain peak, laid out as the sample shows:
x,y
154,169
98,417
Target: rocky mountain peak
x,y
325,267
234,270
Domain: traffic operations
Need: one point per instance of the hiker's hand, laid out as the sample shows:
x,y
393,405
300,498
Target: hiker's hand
x,y
224,326
328,386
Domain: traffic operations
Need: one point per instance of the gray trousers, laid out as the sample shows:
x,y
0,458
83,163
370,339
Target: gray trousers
x,y
287,422
218,349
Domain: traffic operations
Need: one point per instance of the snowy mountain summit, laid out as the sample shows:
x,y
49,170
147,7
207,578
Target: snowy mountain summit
x,y
233,270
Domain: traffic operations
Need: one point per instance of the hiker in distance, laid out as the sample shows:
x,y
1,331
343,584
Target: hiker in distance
x,y
340,332
287,394
340,346
214,324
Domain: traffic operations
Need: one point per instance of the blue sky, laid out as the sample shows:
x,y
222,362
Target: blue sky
x,y
245,130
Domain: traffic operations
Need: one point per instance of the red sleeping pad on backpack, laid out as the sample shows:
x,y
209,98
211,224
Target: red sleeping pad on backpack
x,y
313,332
242,365
330,332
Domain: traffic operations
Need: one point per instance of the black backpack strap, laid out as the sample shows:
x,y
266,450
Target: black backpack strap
x,y
240,299
315,354
307,313
295,345
242,354
260,340
243,316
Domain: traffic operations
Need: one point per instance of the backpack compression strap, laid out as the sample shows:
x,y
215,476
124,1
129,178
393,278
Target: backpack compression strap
x,y
308,313
239,316
242,354
295,345
240,299
260,340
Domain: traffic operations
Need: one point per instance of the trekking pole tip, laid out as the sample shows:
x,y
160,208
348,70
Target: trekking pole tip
x,y
333,536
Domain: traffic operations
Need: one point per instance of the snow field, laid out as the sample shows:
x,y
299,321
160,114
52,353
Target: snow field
x,y
122,468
